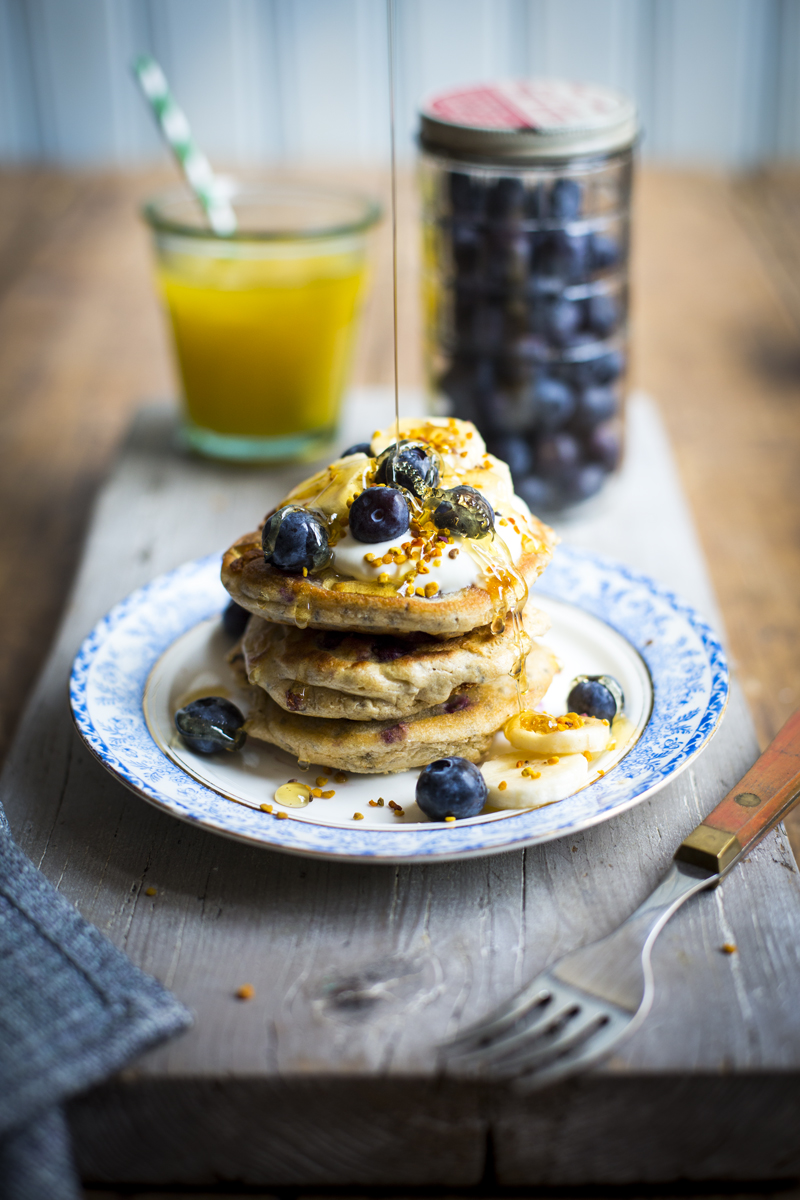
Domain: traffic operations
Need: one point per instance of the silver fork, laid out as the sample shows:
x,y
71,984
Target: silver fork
x,y
574,1013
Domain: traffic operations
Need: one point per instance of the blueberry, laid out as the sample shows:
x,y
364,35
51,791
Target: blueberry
x,y
508,410
583,481
467,194
506,198
597,696
211,724
566,198
608,367
557,454
539,494
595,404
234,619
451,787
465,511
521,354
602,314
554,401
605,445
565,255
466,247
412,465
509,257
535,202
294,538
379,514
562,321
515,452
487,328
359,448
604,251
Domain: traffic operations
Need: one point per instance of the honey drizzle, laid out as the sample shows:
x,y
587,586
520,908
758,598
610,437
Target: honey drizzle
x,y
390,18
509,593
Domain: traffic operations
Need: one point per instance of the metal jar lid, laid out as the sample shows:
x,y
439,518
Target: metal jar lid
x,y
528,120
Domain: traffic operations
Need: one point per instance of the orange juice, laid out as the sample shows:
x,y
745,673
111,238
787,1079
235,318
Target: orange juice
x,y
263,330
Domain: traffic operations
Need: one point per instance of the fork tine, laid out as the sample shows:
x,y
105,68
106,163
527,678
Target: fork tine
x,y
539,991
578,1057
510,1036
576,1030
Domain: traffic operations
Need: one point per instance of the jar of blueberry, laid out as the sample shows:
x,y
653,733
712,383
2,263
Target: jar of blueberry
x,y
526,192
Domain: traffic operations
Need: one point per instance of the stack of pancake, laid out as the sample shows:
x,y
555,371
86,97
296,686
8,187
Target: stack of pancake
x,y
375,675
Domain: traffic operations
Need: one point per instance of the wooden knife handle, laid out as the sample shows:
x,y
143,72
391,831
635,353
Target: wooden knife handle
x,y
762,798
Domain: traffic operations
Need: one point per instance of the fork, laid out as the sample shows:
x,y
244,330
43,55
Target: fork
x,y
573,1014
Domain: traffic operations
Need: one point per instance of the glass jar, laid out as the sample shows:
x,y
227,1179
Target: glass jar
x,y
526,191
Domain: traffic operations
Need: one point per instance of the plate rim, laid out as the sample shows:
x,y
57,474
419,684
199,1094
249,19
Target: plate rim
x,y
715,706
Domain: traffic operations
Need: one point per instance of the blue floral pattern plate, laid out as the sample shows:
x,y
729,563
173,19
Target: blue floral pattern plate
x,y
165,643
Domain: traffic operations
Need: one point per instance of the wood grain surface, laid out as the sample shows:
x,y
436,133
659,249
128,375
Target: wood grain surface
x,y
716,340
329,1074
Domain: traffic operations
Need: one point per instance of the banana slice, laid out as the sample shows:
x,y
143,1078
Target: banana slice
x,y
539,733
532,782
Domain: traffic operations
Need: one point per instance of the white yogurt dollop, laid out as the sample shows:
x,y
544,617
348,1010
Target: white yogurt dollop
x,y
453,572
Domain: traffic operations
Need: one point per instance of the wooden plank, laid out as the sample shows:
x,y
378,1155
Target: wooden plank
x,y
330,1074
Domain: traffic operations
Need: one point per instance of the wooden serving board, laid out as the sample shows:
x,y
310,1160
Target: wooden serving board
x,y
329,1075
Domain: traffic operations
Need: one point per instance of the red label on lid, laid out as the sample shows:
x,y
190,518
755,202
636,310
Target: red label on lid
x,y
535,104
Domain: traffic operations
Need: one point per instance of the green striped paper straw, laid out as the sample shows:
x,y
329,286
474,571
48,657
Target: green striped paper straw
x,y
178,135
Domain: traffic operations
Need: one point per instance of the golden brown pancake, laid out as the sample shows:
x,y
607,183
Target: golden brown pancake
x,y
374,677
463,726
356,605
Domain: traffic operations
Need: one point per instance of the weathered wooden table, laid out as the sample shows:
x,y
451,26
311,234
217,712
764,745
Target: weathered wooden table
x,y
330,1075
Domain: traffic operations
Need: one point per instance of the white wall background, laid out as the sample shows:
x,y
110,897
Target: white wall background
x,y
717,81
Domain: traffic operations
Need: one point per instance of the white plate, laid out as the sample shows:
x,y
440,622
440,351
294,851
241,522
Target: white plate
x,y
164,644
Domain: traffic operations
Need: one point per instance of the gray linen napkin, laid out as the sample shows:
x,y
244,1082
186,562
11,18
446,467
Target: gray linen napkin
x,y
73,1010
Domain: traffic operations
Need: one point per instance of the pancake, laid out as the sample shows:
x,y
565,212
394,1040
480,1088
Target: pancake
x,y
355,605
376,677
426,579
463,726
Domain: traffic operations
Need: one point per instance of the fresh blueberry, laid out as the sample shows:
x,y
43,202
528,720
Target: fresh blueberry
x,y
509,257
595,404
605,445
451,787
557,455
602,314
465,511
564,256
539,494
466,247
508,410
506,198
294,538
467,194
515,452
488,328
211,724
566,198
554,401
359,448
519,358
379,514
412,465
234,619
535,202
604,251
562,321
597,696
581,482
608,367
